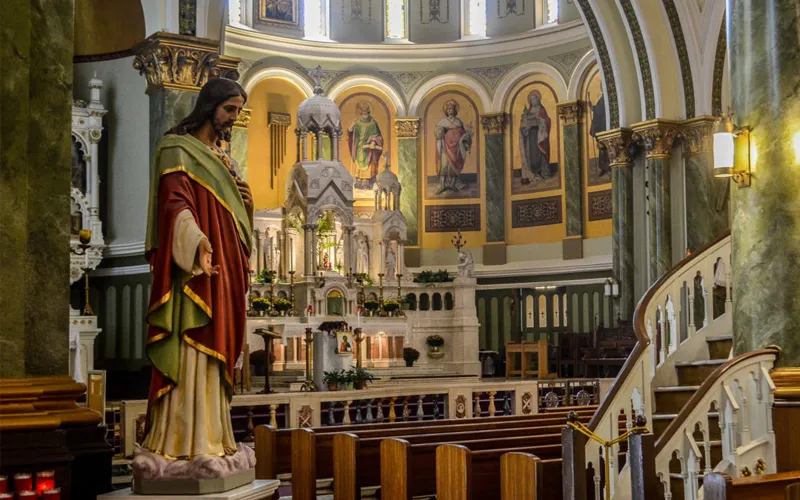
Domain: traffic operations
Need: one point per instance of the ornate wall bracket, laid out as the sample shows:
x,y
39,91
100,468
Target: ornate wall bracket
x,y
494,124
657,136
407,128
570,112
243,121
169,60
620,146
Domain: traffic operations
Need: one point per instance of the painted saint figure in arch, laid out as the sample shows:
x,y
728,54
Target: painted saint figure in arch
x,y
534,140
365,141
453,143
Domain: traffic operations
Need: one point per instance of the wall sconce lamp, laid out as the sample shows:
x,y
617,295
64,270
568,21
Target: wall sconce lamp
x,y
611,288
731,151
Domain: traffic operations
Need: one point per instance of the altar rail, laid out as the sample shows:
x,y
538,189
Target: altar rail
x,y
414,401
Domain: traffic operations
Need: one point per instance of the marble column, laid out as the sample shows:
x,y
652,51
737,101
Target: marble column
x,y
658,137
763,45
494,129
407,131
308,249
570,114
173,79
617,142
348,249
238,145
706,196
35,154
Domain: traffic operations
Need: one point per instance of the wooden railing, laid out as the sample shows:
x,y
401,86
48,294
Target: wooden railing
x,y
663,319
738,395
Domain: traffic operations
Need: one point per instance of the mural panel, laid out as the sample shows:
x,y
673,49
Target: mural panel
x,y
367,122
452,151
279,12
535,139
598,170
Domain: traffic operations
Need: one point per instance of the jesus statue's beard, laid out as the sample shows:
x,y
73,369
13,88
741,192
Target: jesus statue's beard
x,y
223,130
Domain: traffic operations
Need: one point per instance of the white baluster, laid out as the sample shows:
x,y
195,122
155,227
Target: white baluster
x,y
598,492
745,437
690,308
707,450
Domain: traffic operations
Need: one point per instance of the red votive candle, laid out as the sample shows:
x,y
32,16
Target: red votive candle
x,y
27,495
3,484
53,494
23,482
45,480
6,496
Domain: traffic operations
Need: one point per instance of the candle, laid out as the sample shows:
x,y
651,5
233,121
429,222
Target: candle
x,y
23,482
4,496
3,484
45,480
27,494
53,494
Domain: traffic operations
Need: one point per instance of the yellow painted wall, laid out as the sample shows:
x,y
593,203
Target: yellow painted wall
x,y
431,111
591,90
277,95
515,102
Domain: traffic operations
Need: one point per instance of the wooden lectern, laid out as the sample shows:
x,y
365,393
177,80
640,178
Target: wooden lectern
x,y
269,336
526,350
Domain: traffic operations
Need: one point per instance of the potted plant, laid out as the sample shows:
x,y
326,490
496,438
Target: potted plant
x,y
266,276
434,343
371,306
281,305
391,306
364,278
334,378
360,377
410,355
261,305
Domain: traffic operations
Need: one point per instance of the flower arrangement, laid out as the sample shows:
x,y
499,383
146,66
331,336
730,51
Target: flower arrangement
x,y
391,306
434,341
281,305
410,355
363,278
261,304
266,276
372,305
429,277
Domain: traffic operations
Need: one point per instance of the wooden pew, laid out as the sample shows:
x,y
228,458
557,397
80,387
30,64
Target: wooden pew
x,y
765,487
273,447
362,452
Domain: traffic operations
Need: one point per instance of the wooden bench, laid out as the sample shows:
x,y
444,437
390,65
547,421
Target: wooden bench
x,y
525,351
765,487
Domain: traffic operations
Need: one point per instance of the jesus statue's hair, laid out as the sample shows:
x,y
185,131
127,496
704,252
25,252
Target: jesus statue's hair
x,y
215,92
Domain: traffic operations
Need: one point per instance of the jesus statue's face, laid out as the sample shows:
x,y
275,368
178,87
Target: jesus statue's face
x,y
225,116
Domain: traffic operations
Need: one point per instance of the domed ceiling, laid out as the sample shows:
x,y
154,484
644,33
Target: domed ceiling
x,y
103,26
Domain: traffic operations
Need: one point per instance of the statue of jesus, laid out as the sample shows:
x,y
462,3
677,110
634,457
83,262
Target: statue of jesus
x,y
198,245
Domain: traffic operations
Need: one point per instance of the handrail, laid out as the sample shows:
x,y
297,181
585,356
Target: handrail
x,y
642,339
706,386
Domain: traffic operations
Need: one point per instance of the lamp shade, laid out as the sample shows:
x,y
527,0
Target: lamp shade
x,y
724,147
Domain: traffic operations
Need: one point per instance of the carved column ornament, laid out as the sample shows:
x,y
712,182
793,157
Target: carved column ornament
x,y
244,118
169,60
407,128
620,146
657,136
495,123
697,135
569,112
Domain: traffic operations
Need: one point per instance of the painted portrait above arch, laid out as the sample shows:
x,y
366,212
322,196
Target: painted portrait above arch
x,y
598,170
535,139
367,137
452,150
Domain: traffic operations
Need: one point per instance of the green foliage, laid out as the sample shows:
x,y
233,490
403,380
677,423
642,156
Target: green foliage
x,y
428,276
391,305
410,354
364,277
371,305
261,304
435,341
325,226
335,377
266,276
358,375
281,304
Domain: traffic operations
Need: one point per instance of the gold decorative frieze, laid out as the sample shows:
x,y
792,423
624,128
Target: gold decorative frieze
x,y
495,123
407,128
697,135
657,136
244,118
787,383
569,112
169,60
620,146
43,403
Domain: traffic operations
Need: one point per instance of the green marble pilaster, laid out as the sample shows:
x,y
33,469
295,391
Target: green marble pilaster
x,y
495,188
36,92
407,130
763,47
706,202
659,208
622,236
167,108
569,113
238,149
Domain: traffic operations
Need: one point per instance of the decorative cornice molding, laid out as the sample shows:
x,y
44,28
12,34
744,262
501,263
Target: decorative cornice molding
x,y
124,249
244,118
104,272
407,128
644,60
605,61
569,112
620,146
495,123
683,55
657,136
181,62
697,136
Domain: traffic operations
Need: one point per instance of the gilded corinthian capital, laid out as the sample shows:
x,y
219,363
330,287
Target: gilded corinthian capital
x,y
407,128
169,60
658,137
697,135
620,146
569,112
494,123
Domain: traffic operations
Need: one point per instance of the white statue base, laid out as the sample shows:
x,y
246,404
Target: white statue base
x,y
260,489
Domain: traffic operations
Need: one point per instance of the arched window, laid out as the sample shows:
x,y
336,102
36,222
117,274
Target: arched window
x,y
424,302
335,303
476,17
448,301
437,302
411,301
551,11
395,19
315,19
